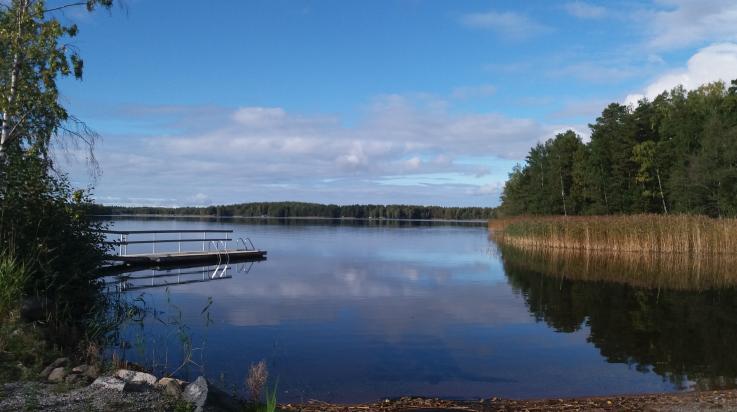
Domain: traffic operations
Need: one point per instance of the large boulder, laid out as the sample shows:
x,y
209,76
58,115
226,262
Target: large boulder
x,y
57,375
53,365
110,382
196,393
201,393
136,377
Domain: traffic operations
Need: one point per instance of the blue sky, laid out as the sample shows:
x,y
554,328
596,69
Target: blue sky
x,y
403,101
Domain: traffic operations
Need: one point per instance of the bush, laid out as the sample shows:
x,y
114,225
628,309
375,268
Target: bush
x,y
45,230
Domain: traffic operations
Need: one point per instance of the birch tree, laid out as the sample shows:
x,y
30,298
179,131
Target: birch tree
x,y
34,53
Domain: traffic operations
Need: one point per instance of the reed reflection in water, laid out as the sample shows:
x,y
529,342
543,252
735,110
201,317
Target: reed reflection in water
x,y
683,271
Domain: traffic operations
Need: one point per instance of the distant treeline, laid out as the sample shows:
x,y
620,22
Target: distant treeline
x,y
299,209
674,154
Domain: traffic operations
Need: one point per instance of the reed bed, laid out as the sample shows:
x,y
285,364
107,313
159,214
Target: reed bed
x,y
693,235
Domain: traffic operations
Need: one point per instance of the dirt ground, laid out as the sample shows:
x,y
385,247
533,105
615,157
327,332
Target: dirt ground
x,y
725,400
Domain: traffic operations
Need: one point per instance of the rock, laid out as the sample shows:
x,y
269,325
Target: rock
x,y
196,393
173,389
32,310
136,377
55,364
92,372
110,382
80,369
200,393
57,375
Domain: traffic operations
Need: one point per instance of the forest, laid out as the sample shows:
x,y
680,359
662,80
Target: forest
x,y
674,154
301,209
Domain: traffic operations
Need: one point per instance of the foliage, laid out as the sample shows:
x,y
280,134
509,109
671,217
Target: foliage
x,y
271,404
299,209
44,224
676,153
14,275
46,227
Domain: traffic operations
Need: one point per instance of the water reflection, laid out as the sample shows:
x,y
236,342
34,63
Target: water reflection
x,y
158,277
685,336
354,313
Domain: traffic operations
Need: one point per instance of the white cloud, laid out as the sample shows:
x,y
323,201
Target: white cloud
x,y
401,150
584,10
507,24
712,63
682,23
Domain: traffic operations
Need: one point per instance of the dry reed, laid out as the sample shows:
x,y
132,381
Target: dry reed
x,y
695,235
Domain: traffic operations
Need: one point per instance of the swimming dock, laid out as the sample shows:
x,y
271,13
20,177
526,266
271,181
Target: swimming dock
x,y
214,247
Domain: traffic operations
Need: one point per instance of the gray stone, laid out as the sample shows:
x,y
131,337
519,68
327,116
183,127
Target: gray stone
x,y
136,377
196,393
110,382
57,375
55,364
80,369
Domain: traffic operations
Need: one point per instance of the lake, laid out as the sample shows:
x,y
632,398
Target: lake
x,y
350,312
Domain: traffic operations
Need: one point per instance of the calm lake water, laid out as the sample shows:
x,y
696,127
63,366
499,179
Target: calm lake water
x,y
358,312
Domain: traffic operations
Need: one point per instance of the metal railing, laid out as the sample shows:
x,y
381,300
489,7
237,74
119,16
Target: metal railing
x,y
169,236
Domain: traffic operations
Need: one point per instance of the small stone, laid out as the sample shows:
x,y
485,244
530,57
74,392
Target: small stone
x,y
173,389
136,377
72,378
164,381
57,375
80,369
55,364
110,382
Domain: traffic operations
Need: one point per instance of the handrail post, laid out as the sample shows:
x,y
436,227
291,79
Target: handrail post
x,y
154,244
204,239
180,242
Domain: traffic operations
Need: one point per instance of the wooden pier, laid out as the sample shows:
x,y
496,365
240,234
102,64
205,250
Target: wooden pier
x,y
214,250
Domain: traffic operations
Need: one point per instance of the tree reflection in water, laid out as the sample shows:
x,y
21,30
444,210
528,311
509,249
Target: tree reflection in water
x,y
679,329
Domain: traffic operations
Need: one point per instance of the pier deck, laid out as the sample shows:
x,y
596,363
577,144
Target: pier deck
x,y
168,258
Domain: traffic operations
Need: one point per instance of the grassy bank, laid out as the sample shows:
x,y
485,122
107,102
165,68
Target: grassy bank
x,y
694,235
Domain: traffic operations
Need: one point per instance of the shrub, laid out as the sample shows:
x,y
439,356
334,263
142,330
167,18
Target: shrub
x,y
44,229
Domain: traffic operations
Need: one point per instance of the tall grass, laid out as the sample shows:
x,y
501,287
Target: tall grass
x,y
14,276
695,235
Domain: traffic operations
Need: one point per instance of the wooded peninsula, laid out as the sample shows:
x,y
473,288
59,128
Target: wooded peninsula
x,y
674,154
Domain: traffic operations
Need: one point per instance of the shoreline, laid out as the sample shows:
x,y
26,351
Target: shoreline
x,y
664,401
53,397
339,219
